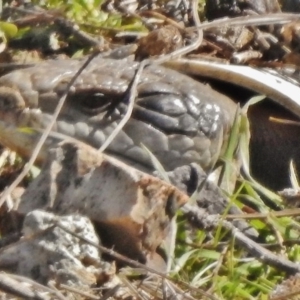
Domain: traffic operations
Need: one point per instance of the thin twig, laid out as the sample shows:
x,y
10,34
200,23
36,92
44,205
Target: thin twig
x,y
134,263
12,286
256,20
46,132
202,219
217,268
31,282
287,295
133,87
56,292
111,292
120,52
132,288
82,36
166,20
185,50
283,213
79,292
65,26
132,95
113,53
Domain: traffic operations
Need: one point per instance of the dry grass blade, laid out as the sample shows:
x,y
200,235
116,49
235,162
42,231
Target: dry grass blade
x,y
119,53
132,95
284,121
79,292
245,156
185,50
132,91
44,136
256,20
283,213
10,286
14,285
110,293
230,169
157,166
136,264
293,176
200,218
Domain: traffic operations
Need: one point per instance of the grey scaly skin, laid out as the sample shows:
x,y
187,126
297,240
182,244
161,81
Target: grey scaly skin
x,y
177,118
180,120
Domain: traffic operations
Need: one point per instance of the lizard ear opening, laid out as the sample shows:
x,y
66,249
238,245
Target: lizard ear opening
x,y
11,99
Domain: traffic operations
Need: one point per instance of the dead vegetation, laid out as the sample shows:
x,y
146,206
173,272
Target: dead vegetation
x,y
236,241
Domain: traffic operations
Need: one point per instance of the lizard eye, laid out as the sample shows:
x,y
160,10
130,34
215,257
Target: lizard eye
x,y
91,103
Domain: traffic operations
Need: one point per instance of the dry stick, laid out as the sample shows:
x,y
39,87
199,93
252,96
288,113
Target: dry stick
x,y
46,132
251,20
30,17
155,289
146,62
33,283
257,20
133,289
75,30
287,295
123,10
175,290
202,219
252,247
14,287
283,213
279,18
74,290
36,285
217,268
165,19
111,292
56,292
60,22
132,262
185,50
132,95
